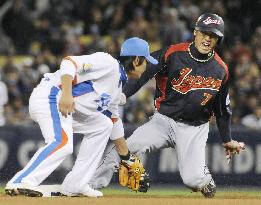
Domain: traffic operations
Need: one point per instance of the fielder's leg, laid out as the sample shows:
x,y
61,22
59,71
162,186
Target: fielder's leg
x,y
58,135
151,136
110,158
97,133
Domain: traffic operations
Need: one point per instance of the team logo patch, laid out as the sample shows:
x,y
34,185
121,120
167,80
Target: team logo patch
x,y
85,67
186,82
103,102
208,20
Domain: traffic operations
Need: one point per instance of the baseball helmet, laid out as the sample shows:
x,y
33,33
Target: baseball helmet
x,y
211,23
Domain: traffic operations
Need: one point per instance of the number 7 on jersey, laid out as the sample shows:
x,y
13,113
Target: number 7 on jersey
x,y
207,98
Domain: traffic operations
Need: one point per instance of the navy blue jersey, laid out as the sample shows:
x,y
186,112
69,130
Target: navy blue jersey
x,y
189,90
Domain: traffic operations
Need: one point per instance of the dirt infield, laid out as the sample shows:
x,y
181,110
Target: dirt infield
x,y
127,200
156,196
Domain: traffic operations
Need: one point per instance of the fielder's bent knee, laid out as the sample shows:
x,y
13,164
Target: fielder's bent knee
x,y
67,149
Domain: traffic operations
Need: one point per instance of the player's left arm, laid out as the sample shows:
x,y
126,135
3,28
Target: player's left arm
x,y
223,113
66,102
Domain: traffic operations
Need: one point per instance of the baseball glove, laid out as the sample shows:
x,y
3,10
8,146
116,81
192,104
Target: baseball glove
x,y
133,175
233,147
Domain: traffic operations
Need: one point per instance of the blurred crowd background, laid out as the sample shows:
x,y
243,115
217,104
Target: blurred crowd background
x,y
36,34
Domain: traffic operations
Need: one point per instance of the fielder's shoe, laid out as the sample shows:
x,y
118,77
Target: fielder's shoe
x,y
88,191
11,189
26,190
31,191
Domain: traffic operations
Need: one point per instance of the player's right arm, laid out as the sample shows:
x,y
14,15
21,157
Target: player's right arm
x,y
66,103
68,71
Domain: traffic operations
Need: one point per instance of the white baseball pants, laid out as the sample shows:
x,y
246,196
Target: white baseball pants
x,y
57,132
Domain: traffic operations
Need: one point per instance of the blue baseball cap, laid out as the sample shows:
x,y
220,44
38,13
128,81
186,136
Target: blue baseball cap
x,y
137,47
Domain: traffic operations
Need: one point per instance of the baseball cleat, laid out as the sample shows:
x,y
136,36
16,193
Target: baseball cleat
x,y
36,191
65,193
30,192
209,190
11,189
26,190
88,191
55,194
11,192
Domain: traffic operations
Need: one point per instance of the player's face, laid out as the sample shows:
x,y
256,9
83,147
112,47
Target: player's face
x,y
139,68
205,42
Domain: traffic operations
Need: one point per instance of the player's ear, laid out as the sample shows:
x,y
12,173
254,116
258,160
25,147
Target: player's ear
x,y
194,32
136,61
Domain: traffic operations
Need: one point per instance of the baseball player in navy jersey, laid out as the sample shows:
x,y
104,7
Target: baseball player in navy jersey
x,y
81,97
191,86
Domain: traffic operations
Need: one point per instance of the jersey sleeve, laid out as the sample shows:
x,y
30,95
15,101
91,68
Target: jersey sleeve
x,y
133,85
68,67
223,113
113,110
88,67
117,130
96,66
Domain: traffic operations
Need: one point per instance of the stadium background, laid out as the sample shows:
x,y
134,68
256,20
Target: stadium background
x,y
36,34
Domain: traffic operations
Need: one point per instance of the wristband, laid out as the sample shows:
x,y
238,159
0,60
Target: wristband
x,y
125,157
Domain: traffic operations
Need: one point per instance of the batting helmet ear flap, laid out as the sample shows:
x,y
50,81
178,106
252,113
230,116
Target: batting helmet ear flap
x,y
220,41
194,35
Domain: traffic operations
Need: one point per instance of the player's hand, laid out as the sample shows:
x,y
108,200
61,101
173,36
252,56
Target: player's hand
x,y
66,105
233,147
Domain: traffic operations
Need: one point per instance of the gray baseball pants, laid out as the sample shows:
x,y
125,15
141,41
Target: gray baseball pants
x,y
160,132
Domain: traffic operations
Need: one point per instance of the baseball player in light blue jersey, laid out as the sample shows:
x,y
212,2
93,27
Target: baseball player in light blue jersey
x,y
81,97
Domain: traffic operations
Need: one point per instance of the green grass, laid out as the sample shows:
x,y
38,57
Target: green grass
x,y
153,191
178,192
183,192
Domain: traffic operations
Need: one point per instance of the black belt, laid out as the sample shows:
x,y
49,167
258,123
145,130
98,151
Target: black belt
x,y
192,123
